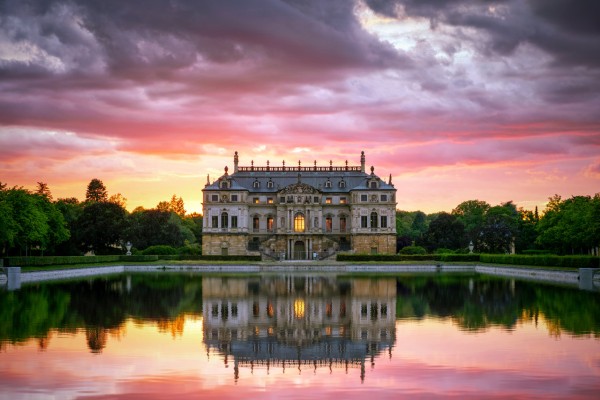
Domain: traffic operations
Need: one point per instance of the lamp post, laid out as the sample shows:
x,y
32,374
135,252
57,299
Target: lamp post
x,y
128,246
471,247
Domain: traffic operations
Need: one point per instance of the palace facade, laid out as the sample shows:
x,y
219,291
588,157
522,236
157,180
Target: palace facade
x,y
299,212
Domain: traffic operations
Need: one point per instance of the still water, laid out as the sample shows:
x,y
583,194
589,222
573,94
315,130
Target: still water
x,y
146,336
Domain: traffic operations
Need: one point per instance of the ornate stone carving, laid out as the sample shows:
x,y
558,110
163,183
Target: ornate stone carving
x,y
299,188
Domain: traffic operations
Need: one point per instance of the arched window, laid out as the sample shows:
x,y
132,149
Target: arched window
x,y
299,222
224,220
270,184
255,224
342,183
374,219
328,183
343,224
328,223
256,184
270,223
224,185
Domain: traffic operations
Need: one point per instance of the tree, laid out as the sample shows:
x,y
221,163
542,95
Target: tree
x,y
100,227
419,226
472,214
446,231
71,209
44,190
156,227
118,199
176,205
499,229
96,191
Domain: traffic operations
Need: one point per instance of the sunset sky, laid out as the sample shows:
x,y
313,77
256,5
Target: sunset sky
x,y
457,100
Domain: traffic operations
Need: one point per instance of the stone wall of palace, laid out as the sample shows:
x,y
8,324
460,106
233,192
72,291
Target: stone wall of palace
x,y
212,244
383,244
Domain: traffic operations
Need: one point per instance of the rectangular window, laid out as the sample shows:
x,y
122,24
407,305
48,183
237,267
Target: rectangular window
x,y
255,200
373,185
363,221
270,200
328,200
224,220
214,197
384,221
234,197
215,221
328,224
234,221
363,197
315,199
342,200
255,224
282,199
384,197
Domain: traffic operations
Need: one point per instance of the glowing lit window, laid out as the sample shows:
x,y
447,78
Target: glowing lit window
x,y
270,223
299,308
255,200
299,223
342,200
328,200
270,200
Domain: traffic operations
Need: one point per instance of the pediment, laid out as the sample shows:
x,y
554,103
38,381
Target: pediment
x,y
297,188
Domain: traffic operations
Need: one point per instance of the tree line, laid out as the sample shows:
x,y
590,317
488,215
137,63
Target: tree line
x,y
33,223
566,226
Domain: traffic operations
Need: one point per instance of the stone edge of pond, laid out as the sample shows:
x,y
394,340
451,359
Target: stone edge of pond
x,y
538,274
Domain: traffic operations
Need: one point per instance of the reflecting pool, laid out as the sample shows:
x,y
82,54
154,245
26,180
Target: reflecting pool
x,y
171,335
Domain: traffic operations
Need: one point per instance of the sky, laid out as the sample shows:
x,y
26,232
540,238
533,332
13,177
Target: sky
x,y
457,100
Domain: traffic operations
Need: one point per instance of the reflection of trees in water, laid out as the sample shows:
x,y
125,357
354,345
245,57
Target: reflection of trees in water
x,y
100,306
476,303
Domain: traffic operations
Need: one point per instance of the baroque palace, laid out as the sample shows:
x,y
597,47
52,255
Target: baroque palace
x,y
299,212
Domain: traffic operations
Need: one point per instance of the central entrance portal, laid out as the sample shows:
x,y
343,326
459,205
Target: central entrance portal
x,y
299,250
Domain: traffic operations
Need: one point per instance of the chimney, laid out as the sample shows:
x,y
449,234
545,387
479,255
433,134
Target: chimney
x,y
362,161
235,162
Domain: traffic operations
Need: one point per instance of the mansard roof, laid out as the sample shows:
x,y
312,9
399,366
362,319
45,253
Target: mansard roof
x,y
332,179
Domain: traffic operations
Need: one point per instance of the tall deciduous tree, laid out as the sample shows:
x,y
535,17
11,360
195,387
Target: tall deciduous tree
x,y
446,231
100,227
96,191
44,190
472,214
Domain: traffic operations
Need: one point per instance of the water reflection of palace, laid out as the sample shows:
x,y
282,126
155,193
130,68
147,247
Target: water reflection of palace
x,y
299,321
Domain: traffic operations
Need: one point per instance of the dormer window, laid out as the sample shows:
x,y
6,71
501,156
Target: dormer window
x,y
373,184
224,185
270,184
342,183
256,184
328,183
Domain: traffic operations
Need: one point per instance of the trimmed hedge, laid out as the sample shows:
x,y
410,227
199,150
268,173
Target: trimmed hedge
x,y
140,257
58,260
387,257
449,257
543,260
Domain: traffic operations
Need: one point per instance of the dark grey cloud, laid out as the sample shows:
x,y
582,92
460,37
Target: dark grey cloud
x,y
567,30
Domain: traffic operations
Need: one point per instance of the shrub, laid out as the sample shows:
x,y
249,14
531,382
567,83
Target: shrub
x,y
190,249
413,250
159,249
